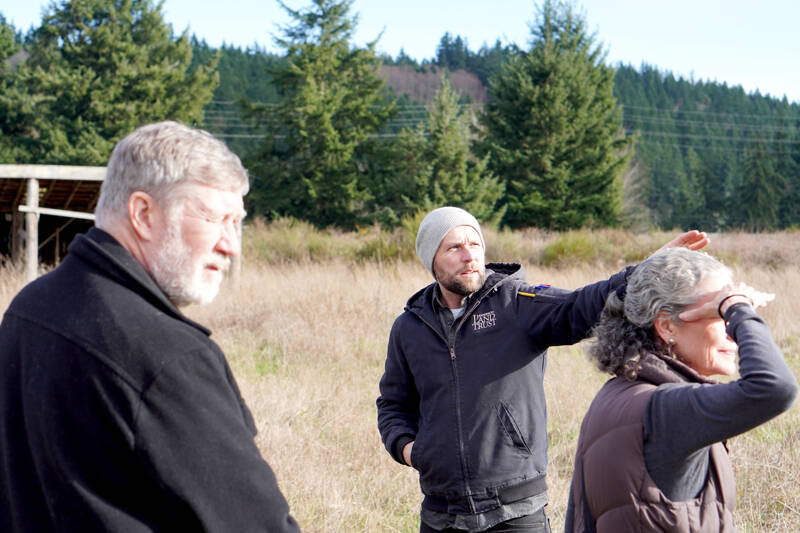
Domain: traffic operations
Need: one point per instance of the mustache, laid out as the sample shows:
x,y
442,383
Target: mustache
x,y
220,262
471,266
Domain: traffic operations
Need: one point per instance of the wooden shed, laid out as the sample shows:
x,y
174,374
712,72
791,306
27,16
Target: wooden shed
x,y
42,207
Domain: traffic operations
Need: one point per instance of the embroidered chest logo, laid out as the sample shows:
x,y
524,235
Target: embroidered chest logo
x,y
483,321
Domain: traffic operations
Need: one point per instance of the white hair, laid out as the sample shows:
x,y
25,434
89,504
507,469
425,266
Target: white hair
x,y
158,159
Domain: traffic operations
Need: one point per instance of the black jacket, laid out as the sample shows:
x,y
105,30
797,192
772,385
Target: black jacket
x,y
474,403
119,413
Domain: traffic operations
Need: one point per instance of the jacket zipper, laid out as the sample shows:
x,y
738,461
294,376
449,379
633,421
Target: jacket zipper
x,y
460,432
451,345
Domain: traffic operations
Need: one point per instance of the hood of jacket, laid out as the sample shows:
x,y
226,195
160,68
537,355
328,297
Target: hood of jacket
x,y
496,273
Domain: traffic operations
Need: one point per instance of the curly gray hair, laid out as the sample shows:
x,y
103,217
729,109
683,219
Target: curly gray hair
x,y
666,282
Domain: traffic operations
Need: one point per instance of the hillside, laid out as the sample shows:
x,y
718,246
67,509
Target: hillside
x,y
421,83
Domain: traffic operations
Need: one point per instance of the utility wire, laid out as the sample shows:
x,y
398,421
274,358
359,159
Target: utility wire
x,y
795,115
715,137
410,116
705,124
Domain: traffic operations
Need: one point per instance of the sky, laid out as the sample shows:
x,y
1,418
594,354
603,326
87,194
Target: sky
x,y
755,45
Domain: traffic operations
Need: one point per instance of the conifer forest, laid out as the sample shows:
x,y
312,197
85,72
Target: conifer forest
x,y
549,136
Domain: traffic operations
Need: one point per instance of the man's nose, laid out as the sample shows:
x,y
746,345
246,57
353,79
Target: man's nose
x,y
467,254
228,243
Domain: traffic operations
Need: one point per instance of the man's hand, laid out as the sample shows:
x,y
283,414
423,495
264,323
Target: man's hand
x,y
693,240
407,453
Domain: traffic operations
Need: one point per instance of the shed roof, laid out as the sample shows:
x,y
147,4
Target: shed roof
x,y
60,187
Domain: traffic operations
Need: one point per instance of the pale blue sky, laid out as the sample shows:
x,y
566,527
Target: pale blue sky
x,y
752,44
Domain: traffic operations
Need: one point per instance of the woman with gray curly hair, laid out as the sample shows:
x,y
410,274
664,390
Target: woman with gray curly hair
x,y
651,453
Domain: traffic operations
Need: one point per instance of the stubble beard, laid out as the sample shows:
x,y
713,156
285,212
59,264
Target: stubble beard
x,y
457,286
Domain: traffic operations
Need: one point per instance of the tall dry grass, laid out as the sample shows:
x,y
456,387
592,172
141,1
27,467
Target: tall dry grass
x,y
12,279
307,341
306,338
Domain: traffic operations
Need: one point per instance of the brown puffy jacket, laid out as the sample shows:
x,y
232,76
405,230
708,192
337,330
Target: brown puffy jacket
x,y
620,494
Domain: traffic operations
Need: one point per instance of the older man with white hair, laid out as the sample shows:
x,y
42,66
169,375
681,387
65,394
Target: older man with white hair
x,y
119,412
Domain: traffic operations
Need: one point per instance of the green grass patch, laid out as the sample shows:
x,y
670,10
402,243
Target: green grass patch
x,y
267,359
571,248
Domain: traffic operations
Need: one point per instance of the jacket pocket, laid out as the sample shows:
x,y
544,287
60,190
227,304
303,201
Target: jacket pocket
x,y
511,428
416,454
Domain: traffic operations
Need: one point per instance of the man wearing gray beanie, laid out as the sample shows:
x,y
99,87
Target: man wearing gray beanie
x,y
462,397
436,225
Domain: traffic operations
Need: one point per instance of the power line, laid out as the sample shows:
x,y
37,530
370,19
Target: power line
x,y
697,123
410,116
795,117
695,147
716,137
424,107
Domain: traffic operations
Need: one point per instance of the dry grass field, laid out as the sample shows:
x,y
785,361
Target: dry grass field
x,y
306,339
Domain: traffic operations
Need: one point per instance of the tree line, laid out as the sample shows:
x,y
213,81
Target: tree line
x,y
705,154
563,141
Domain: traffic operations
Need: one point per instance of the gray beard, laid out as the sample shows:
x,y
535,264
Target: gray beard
x,y
174,274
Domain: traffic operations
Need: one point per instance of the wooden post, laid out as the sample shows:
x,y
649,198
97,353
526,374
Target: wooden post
x,y
32,231
58,246
17,236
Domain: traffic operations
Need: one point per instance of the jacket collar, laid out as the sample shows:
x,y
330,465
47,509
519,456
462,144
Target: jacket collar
x,y
421,302
106,254
658,369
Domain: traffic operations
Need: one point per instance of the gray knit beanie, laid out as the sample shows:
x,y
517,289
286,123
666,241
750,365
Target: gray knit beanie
x,y
435,226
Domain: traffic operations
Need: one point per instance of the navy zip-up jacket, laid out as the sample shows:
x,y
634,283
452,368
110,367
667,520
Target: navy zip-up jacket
x,y
474,402
121,414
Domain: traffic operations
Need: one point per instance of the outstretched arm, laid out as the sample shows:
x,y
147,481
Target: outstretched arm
x,y
556,317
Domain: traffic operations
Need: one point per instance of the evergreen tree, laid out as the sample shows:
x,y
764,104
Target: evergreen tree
x,y
12,100
694,207
719,164
488,59
452,53
311,165
668,189
759,194
404,59
694,134
8,42
553,128
436,167
790,201
786,166
243,77
97,70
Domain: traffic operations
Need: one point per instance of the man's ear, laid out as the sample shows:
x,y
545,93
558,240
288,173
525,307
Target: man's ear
x,y
142,211
664,326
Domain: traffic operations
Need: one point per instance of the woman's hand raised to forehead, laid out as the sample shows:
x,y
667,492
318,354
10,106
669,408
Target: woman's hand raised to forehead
x,y
693,240
726,297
